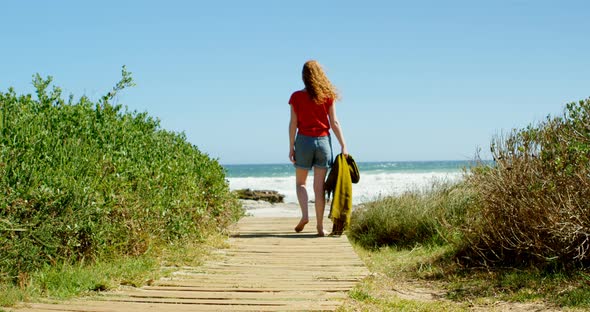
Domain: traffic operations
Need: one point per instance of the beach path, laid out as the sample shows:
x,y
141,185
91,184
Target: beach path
x,y
267,267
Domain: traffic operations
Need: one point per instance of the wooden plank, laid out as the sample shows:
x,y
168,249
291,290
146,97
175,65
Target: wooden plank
x,y
159,307
286,295
222,301
254,288
290,278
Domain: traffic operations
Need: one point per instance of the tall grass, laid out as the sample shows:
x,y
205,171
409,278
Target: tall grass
x,y
431,215
80,180
533,202
529,207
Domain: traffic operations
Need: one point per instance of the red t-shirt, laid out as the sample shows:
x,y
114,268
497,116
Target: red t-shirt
x,y
312,118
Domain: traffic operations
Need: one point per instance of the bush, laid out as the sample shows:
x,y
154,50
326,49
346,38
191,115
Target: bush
x,y
532,205
415,217
83,180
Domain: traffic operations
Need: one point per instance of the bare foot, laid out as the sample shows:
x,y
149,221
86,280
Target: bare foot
x,y
301,225
321,232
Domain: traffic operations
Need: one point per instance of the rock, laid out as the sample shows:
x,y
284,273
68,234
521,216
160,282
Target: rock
x,y
266,195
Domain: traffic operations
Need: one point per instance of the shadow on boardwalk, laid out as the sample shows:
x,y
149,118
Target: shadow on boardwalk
x,y
286,236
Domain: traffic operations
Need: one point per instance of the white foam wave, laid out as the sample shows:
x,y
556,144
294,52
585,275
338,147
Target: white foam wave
x,y
370,186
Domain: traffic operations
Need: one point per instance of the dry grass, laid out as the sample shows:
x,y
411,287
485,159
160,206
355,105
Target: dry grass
x,y
533,206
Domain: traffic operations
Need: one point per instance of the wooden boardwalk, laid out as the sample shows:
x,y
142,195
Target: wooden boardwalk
x,y
268,267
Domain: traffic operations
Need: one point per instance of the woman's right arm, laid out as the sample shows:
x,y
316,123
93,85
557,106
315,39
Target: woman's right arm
x,y
335,125
292,133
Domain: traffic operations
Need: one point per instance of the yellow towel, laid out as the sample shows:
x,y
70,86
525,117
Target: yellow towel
x,y
344,172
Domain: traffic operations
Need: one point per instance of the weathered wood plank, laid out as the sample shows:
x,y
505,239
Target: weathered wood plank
x,y
279,295
159,307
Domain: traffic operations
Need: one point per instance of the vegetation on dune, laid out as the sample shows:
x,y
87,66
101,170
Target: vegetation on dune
x,y
529,207
426,216
83,180
532,204
524,219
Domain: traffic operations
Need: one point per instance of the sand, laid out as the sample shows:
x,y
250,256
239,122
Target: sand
x,y
267,210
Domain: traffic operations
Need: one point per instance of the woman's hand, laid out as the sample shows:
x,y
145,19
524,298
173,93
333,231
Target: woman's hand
x,y
344,151
292,154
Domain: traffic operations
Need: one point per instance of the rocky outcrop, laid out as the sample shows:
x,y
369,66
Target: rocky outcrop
x,y
266,195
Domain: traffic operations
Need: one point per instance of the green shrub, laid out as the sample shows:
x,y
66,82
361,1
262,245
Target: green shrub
x,y
79,180
532,204
415,217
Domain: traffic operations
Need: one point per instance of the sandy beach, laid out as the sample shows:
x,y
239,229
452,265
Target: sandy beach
x,y
268,210
260,208
263,209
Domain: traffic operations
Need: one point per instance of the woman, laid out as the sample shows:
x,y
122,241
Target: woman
x,y
312,115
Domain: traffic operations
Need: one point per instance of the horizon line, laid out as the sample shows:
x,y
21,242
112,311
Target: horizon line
x,y
371,161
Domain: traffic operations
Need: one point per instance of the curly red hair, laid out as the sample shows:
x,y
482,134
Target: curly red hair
x,y
317,84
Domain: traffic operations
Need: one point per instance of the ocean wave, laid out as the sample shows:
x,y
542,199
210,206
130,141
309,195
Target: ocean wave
x,y
370,187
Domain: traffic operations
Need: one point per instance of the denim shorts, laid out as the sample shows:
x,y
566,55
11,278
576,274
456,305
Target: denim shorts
x,y
313,152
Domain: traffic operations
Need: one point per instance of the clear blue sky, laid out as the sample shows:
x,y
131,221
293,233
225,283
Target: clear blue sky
x,y
420,80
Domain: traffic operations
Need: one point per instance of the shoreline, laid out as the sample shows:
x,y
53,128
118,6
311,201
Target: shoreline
x,y
263,209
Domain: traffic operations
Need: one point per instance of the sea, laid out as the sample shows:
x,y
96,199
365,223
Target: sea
x,y
377,179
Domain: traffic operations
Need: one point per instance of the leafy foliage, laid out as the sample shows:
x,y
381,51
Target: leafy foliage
x,y
79,180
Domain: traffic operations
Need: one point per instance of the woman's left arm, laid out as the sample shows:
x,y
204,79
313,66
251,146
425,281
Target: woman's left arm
x,y
335,125
292,133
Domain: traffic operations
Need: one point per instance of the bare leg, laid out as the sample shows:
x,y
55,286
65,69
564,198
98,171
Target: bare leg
x,y
319,176
300,181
